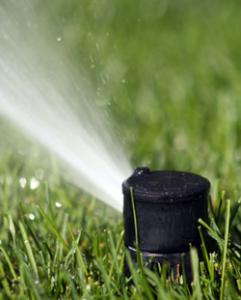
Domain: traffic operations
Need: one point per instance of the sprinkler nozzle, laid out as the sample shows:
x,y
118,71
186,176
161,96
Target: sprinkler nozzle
x,y
168,205
141,170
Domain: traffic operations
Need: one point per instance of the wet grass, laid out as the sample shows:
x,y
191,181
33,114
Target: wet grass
x,y
169,73
59,244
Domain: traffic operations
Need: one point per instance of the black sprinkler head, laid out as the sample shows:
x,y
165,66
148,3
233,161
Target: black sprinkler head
x,y
168,205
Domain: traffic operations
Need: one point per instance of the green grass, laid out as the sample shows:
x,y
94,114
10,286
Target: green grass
x,y
169,73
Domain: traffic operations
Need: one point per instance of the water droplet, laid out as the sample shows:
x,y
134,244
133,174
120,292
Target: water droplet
x,y
23,182
92,62
31,217
5,36
97,46
58,204
39,174
90,35
22,152
34,183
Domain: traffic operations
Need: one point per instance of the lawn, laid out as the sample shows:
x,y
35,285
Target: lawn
x,y
169,75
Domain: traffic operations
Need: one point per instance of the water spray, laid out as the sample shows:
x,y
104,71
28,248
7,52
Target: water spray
x,y
164,207
52,102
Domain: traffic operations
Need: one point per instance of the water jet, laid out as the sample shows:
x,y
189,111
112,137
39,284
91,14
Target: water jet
x,y
53,103
167,206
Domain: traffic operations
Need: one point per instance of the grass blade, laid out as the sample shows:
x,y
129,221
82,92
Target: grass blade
x,y
224,259
28,249
196,278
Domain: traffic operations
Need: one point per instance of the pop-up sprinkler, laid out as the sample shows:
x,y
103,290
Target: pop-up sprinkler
x,y
167,206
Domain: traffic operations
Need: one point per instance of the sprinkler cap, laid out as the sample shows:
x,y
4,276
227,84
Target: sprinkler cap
x,y
168,205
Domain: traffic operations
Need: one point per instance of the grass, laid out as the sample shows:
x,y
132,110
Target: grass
x,y
169,73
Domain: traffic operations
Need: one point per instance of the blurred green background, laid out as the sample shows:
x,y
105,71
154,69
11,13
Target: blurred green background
x,y
167,72
169,75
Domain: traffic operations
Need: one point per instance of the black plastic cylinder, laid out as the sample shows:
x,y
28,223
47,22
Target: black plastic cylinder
x,y
168,205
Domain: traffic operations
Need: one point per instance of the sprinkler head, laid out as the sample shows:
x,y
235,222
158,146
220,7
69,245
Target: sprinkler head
x,y
167,205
